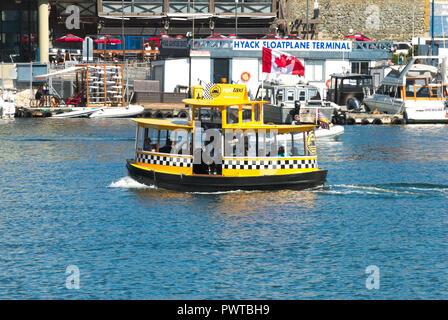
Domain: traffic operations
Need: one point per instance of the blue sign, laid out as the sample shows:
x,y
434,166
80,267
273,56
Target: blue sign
x,y
293,45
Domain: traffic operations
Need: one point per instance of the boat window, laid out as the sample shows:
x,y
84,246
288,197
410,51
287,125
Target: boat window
x,y
392,91
302,96
314,94
265,94
410,88
181,142
232,114
349,84
147,140
290,95
280,95
247,113
380,90
365,82
210,115
422,92
257,112
436,92
165,142
333,83
420,82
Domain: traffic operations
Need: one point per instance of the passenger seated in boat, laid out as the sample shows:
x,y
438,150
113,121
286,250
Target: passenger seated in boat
x,y
167,147
294,151
148,146
323,121
281,151
296,120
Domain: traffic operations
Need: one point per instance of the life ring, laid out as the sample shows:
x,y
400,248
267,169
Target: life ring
x,y
245,76
328,83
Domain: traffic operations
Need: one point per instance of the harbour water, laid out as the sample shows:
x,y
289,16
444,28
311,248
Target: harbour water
x,y
66,201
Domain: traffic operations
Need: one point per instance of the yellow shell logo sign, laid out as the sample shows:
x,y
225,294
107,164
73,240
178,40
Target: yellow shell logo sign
x,y
311,143
215,91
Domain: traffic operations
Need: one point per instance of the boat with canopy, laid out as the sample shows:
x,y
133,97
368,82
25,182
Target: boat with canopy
x,y
224,146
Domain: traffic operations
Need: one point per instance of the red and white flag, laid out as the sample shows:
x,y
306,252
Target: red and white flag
x,y
280,62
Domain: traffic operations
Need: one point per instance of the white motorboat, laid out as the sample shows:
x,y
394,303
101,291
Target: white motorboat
x,y
7,107
118,112
334,132
320,133
418,91
77,112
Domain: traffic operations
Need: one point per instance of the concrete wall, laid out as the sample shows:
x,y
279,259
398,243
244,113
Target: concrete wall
x,y
381,20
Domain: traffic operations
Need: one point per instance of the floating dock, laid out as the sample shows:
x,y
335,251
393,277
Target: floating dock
x,y
363,118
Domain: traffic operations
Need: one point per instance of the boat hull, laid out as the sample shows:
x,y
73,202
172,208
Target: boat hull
x,y
118,112
213,183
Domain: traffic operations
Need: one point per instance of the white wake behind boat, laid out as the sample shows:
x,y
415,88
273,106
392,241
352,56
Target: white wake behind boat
x,y
118,112
77,112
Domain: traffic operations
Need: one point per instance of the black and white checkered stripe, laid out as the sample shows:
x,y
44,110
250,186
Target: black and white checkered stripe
x,y
164,161
269,164
206,91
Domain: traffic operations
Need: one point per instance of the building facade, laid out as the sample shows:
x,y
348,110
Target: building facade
x,y
197,18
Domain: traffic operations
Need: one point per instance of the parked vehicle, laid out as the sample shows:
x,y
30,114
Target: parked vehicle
x,y
349,90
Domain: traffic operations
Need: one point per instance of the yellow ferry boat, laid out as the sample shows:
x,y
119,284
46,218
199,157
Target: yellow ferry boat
x,y
224,146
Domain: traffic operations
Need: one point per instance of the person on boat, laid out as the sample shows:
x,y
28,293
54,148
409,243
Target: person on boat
x,y
147,145
296,120
167,147
322,120
294,151
281,151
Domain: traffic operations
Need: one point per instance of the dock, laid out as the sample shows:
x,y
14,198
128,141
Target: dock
x,y
363,118
152,110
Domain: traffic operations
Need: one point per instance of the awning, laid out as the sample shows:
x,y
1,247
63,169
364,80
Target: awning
x,y
44,76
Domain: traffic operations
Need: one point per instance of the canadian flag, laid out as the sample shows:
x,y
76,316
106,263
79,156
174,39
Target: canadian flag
x,y
280,62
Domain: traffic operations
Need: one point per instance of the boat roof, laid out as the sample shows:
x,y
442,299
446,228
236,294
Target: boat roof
x,y
281,128
163,124
219,102
399,74
182,124
350,75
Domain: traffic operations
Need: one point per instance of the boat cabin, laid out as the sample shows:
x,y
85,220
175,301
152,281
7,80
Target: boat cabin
x,y
343,87
224,137
285,101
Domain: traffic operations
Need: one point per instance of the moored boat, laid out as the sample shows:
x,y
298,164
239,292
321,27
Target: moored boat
x,y
418,91
77,112
224,146
118,112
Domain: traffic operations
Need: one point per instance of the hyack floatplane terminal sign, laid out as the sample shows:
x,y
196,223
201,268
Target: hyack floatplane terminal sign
x,y
293,45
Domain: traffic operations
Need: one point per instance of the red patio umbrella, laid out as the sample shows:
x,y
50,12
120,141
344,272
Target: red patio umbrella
x,y
69,38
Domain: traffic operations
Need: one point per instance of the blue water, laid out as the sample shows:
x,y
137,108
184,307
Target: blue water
x,y
65,200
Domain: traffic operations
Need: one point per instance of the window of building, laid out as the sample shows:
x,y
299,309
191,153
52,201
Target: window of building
x,y
361,67
314,70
